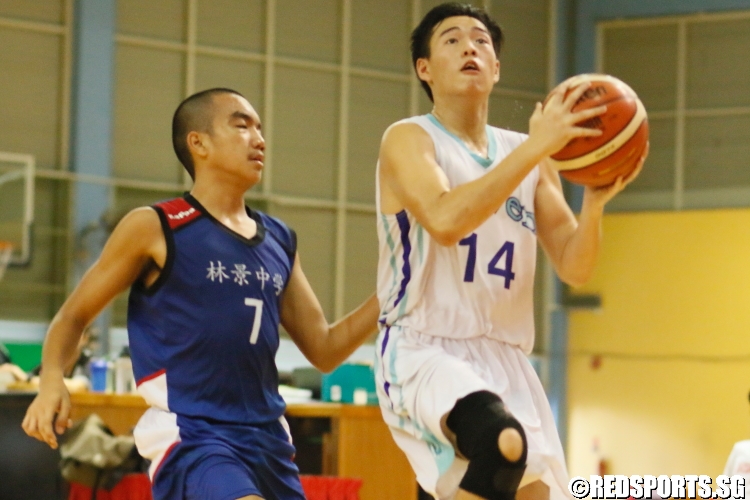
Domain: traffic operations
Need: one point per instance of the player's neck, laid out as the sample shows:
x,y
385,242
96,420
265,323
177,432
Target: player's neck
x,y
226,204
466,119
222,200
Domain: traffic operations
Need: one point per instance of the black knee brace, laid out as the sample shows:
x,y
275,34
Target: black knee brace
x,y
477,421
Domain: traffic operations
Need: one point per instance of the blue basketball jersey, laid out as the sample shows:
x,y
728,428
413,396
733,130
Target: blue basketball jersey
x,y
204,336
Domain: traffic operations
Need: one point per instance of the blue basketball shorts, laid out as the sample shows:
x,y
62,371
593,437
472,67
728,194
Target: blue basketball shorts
x,y
220,461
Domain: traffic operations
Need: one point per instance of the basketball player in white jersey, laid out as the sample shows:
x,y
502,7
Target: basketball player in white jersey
x,y
461,205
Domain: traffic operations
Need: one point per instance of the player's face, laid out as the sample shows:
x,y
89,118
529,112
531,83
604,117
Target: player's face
x,y
237,142
462,58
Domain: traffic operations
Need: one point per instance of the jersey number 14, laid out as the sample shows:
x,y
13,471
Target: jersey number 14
x,y
492,268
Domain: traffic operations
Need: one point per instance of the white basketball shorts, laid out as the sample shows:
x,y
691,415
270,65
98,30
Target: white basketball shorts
x,y
420,377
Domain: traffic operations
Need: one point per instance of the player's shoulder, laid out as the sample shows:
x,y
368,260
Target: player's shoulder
x,y
140,220
405,134
137,232
407,126
280,231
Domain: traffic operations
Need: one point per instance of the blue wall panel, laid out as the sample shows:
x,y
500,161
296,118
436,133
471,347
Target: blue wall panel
x,y
91,132
93,84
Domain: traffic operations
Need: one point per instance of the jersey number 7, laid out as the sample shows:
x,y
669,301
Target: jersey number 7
x,y
505,251
258,305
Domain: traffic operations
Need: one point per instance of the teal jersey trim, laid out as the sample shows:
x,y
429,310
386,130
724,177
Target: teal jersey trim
x,y
491,143
396,333
442,453
402,306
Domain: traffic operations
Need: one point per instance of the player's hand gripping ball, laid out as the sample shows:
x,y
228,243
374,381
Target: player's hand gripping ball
x,y
599,161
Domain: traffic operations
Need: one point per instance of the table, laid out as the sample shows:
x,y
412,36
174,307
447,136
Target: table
x,y
358,444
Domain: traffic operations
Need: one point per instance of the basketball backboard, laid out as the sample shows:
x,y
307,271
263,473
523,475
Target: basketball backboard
x,y
17,204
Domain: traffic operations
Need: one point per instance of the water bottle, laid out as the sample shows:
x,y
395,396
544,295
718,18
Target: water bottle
x,y
124,372
98,369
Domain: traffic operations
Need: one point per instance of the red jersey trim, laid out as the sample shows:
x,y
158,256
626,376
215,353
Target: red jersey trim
x,y
164,459
178,212
150,377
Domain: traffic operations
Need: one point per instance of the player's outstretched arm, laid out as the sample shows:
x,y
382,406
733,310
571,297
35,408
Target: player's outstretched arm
x,y
573,244
324,345
411,178
135,244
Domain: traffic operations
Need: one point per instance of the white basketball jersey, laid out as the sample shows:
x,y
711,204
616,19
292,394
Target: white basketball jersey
x,y
484,284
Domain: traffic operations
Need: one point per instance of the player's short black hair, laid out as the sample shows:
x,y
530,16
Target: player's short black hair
x,y
194,114
422,34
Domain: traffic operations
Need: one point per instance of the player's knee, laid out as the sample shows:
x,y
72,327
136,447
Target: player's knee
x,y
511,444
483,425
494,443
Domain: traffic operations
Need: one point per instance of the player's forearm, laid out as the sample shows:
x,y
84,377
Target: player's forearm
x,y
466,207
582,250
345,335
60,346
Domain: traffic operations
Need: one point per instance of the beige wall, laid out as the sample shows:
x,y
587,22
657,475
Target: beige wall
x,y
671,393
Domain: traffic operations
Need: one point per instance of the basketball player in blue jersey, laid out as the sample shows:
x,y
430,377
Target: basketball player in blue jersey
x,y
211,280
461,205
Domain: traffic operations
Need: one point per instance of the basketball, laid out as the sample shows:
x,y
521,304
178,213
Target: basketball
x,y
599,161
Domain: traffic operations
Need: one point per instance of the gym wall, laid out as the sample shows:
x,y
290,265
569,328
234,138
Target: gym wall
x,y
659,377
326,76
671,393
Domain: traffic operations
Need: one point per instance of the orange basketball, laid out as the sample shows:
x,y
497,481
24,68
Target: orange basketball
x,y
599,161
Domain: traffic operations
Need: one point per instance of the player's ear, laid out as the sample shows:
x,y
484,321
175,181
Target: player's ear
x,y
197,144
423,69
496,78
